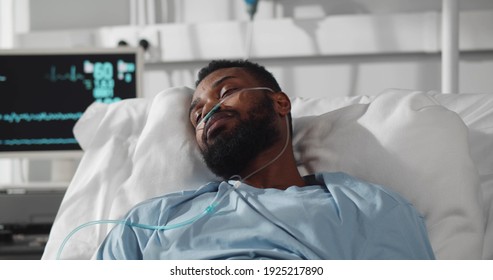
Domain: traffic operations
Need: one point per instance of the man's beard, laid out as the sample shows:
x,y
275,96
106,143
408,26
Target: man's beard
x,y
232,151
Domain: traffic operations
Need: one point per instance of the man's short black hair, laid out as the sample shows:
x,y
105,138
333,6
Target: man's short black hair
x,y
259,72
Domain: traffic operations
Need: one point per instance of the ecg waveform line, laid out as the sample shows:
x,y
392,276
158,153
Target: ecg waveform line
x,y
38,141
39,117
72,76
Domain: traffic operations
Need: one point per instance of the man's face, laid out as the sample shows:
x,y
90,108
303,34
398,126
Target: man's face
x,y
243,126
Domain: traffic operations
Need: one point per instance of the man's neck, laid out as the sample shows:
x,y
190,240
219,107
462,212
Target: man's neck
x,y
280,174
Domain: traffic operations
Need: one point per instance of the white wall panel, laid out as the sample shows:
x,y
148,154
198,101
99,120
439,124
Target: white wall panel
x,y
351,47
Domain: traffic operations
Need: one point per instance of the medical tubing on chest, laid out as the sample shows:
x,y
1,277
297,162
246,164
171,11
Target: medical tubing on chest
x,y
208,210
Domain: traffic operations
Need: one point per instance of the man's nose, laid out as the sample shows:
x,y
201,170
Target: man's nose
x,y
209,109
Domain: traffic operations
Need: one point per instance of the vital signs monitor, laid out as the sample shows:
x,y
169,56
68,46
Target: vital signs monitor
x,y
44,92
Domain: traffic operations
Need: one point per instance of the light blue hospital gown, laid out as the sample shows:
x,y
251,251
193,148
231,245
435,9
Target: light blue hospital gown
x,y
343,219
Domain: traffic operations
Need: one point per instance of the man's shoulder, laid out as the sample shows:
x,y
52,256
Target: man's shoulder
x,y
365,194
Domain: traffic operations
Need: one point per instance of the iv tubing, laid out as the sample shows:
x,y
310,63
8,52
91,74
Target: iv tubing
x,y
249,39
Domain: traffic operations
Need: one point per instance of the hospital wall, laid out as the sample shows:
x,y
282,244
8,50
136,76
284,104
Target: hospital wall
x,y
315,48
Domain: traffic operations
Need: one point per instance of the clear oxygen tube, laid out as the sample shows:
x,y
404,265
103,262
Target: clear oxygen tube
x,y
208,210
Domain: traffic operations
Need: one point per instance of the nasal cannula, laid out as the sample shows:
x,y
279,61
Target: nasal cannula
x,y
218,105
208,210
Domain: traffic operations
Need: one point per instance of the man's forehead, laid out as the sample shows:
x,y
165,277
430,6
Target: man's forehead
x,y
216,77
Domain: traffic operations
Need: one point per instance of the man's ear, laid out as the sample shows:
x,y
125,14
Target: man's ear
x,y
282,103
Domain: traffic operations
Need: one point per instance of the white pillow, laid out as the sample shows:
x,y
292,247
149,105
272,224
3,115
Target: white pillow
x,y
137,149
476,110
133,150
408,143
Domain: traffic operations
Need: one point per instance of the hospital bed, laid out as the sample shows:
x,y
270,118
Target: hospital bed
x,y
434,149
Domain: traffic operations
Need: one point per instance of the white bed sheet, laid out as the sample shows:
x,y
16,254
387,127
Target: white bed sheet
x,y
405,140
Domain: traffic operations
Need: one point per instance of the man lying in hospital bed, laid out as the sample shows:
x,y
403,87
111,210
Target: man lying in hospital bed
x,y
386,145
264,208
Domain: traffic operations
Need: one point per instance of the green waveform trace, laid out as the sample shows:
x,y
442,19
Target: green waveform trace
x,y
72,76
39,117
38,141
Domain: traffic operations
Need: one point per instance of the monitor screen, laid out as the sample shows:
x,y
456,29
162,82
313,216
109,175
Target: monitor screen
x,y
44,92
